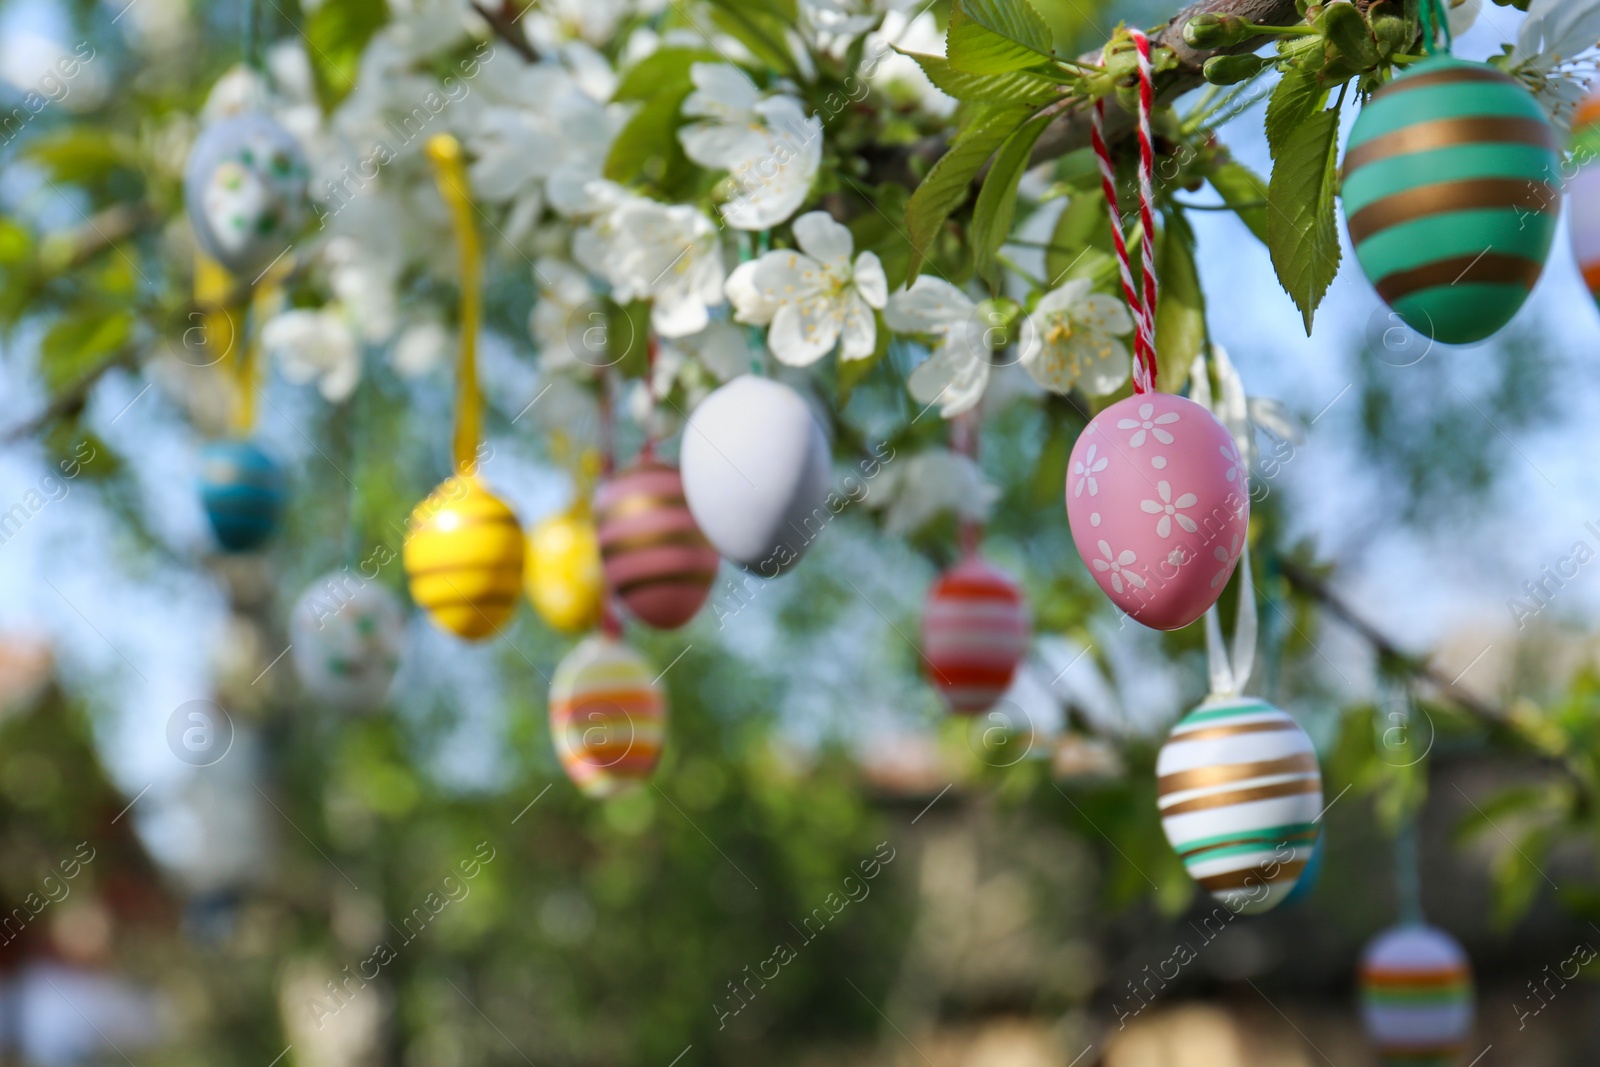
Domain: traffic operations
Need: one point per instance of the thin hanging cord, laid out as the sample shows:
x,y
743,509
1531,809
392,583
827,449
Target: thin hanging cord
x,y
450,172
610,620
964,436
252,35
1407,854
1436,26
1144,309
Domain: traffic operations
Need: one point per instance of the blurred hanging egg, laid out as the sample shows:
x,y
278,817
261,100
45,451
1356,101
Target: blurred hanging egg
x,y
244,187
755,473
975,632
1416,997
1158,504
1239,794
656,558
346,634
242,489
1583,192
608,718
1450,196
463,556
564,581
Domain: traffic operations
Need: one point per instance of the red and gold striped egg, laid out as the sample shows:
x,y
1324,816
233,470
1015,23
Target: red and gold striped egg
x,y
463,557
656,559
975,632
608,718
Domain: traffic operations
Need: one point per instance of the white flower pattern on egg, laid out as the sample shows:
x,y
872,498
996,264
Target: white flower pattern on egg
x,y
1238,473
1116,564
1225,556
1146,424
1170,510
1086,469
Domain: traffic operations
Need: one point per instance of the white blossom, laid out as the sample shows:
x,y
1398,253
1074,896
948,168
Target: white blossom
x,y
814,298
769,146
421,347
1072,340
957,372
565,318
914,491
1555,53
315,345
668,254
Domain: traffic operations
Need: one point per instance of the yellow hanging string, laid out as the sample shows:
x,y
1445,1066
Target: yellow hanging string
x,y
222,331
450,172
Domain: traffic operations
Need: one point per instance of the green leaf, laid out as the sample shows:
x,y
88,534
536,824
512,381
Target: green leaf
x,y
336,34
652,133
1082,236
950,180
1012,87
16,243
662,70
997,200
1296,98
80,155
80,342
996,37
1180,304
1243,190
758,28
852,372
1302,228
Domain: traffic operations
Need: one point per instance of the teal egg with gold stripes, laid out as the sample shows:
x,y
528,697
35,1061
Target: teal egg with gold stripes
x,y
1240,795
1451,196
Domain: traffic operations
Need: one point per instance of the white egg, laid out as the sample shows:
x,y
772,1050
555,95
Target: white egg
x,y
755,468
245,190
345,635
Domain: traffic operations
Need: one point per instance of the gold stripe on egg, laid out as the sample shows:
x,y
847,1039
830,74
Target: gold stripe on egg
x,y
687,538
635,504
1442,198
1450,133
1200,777
1251,876
1212,733
1494,268
1245,796
1451,76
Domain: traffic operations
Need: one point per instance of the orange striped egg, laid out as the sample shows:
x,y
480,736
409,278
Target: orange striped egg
x,y
463,556
1240,795
1416,997
1583,192
608,718
656,558
975,633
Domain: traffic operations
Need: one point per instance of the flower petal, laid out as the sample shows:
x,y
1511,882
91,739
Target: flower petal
x,y
802,333
870,280
858,335
823,239
931,305
951,377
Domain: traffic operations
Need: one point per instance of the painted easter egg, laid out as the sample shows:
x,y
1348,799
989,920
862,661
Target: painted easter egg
x,y
243,491
1158,504
1416,997
564,582
463,556
1310,876
975,632
1583,192
656,558
1239,794
755,470
608,718
345,637
244,188
1450,196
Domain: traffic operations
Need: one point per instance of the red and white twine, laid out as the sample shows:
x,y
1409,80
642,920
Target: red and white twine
x,y
1144,310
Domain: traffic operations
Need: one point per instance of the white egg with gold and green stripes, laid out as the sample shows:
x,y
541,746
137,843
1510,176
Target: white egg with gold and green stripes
x,y
1416,996
1239,794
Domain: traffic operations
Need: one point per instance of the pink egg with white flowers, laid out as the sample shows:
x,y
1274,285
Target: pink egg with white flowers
x,y
1158,500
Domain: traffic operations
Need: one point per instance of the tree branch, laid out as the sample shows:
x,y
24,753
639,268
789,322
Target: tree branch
x,y
503,22
1070,132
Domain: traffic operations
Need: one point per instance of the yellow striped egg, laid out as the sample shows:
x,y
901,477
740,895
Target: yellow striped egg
x,y
463,556
608,718
1240,793
564,580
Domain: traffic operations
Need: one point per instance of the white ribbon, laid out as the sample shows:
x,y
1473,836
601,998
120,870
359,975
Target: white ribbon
x,y
1229,674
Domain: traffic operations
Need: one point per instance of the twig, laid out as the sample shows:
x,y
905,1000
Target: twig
x,y
504,25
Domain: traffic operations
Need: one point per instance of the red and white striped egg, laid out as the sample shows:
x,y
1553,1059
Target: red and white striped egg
x,y
975,632
1158,502
608,717
656,558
